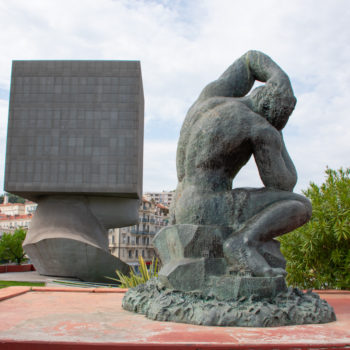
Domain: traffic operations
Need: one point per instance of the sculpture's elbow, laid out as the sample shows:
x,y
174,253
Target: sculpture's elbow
x,y
288,185
282,187
280,183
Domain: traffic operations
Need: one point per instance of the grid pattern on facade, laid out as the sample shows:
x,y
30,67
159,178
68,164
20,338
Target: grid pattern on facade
x,y
75,126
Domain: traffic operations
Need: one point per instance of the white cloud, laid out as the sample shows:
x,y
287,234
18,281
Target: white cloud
x,y
160,170
183,45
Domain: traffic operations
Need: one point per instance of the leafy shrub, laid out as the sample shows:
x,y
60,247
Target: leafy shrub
x,y
134,279
318,253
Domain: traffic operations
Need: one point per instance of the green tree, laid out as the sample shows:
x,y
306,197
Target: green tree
x,y
318,253
12,198
11,246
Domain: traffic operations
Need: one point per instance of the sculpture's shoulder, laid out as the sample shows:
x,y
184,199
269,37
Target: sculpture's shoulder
x,y
213,108
203,106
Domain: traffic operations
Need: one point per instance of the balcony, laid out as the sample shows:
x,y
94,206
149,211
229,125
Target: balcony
x,y
144,232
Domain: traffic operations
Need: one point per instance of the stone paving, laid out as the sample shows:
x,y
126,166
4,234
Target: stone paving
x,y
76,318
32,276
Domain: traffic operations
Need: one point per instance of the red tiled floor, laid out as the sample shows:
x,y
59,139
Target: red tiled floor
x,y
76,319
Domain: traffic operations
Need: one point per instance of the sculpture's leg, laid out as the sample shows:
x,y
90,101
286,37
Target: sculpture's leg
x,y
276,219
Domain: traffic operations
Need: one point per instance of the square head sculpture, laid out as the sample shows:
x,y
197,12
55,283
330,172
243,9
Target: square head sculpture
x,y
75,146
75,127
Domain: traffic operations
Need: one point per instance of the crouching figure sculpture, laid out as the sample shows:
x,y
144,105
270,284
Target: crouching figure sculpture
x,y
221,263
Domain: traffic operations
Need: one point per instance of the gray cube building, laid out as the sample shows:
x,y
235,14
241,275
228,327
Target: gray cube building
x,y
75,146
75,127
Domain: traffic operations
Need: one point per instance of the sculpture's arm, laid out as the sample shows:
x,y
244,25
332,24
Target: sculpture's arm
x,y
288,161
275,166
239,78
264,68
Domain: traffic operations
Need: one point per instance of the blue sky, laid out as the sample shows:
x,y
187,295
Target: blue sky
x,y
4,94
182,46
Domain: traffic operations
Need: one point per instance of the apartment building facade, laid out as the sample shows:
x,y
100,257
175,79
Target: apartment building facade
x,y
128,243
164,197
15,215
9,223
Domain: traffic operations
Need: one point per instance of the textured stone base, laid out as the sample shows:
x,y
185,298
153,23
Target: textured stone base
x,y
290,307
229,287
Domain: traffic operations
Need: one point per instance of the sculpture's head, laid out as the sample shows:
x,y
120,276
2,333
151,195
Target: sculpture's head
x,y
274,101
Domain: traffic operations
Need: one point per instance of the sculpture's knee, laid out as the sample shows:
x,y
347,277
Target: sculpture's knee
x,y
306,209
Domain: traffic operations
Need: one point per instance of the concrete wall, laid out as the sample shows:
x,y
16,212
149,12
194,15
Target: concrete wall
x,y
75,127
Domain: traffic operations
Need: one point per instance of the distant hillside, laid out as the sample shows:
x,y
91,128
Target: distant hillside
x,y
12,198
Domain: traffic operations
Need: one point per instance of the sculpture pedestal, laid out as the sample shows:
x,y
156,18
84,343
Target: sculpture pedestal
x,y
289,307
197,286
233,287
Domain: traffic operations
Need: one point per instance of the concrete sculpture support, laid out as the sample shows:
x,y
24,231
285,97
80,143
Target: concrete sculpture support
x,y
75,146
68,235
221,262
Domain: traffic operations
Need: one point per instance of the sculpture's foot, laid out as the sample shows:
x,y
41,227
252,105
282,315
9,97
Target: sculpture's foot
x,y
245,257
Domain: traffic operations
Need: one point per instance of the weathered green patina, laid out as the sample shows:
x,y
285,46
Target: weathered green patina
x,y
221,245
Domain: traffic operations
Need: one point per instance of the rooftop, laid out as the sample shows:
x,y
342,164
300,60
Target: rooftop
x,y
15,217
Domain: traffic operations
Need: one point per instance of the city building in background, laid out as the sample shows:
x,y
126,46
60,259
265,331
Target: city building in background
x,y
15,215
9,223
164,197
128,243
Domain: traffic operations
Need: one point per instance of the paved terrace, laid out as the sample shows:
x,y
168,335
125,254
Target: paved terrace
x,y
33,276
74,318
